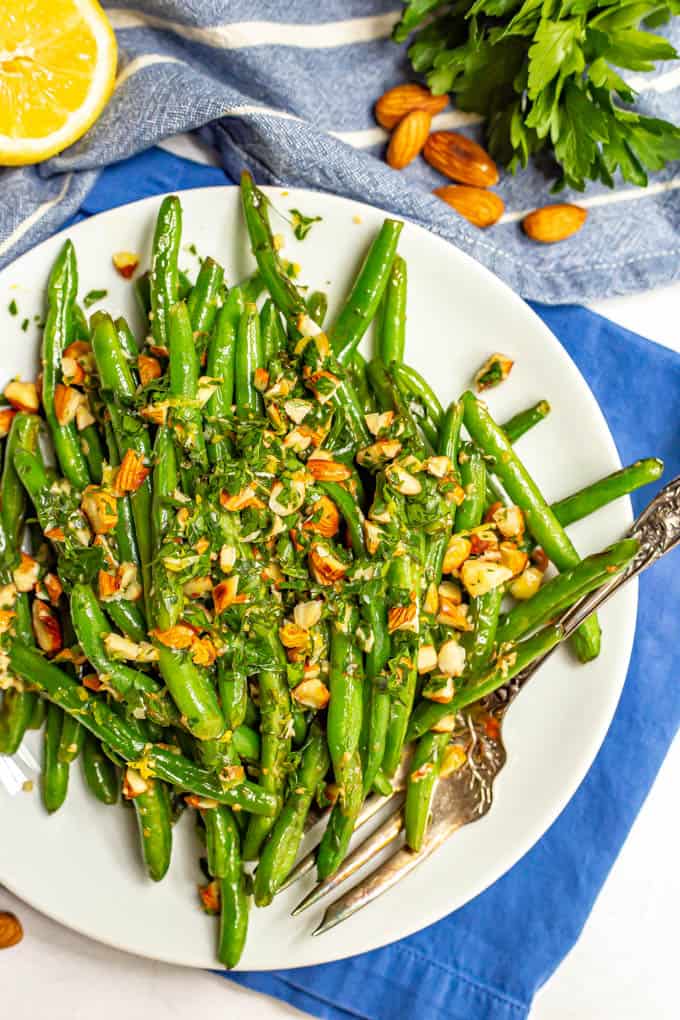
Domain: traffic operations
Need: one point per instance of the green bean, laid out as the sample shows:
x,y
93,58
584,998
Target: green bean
x,y
163,275
563,590
472,467
280,850
128,618
484,611
126,540
130,434
221,355
284,294
447,446
366,294
251,287
249,358
300,721
142,289
317,307
93,452
185,286
343,732
412,383
233,687
101,775
218,822
422,778
163,488
392,331
116,733
70,740
61,292
606,490
359,379
405,579
38,715
541,521
16,714
152,810
183,374
202,302
351,514
23,435
127,342
520,423
513,660
275,741
233,897
273,333
246,742
55,773
80,325
377,702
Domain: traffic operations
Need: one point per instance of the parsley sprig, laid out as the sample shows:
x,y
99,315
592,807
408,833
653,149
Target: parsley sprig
x,y
546,75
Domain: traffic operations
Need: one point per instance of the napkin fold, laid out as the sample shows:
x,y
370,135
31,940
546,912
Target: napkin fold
x,y
487,960
288,91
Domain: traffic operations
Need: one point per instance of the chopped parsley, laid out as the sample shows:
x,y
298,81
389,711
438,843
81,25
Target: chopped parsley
x,y
13,308
25,324
302,224
93,296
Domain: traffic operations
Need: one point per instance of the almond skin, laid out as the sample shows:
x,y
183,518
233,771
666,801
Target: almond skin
x,y
554,222
408,138
402,99
461,159
480,207
11,932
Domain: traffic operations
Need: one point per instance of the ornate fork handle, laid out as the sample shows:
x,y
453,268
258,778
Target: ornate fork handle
x,y
657,529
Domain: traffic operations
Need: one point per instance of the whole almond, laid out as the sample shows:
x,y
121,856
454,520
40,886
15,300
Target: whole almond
x,y
11,931
461,159
408,138
481,207
402,99
554,222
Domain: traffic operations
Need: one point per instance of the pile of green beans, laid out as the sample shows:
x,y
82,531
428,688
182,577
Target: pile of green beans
x,y
263,565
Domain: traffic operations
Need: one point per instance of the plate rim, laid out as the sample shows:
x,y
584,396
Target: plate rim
x,y
521,847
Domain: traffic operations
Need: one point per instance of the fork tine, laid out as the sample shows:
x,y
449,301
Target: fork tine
x,y
373,844
379,881
369,810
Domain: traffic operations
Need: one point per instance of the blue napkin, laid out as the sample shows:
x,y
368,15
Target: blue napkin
x,y
288,90
486,961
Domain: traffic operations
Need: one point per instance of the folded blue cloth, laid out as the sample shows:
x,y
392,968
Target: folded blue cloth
x,y
288,90
486,961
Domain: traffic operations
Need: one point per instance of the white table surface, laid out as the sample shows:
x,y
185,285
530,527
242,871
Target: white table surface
x,y
622,968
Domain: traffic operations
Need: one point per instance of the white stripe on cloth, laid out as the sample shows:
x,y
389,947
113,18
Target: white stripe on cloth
x,y
36,215
139,63
609,198
265,33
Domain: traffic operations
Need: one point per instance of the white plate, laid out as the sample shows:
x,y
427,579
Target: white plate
x,y
82,866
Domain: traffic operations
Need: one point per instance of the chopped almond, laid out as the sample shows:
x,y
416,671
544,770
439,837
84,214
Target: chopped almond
x,y
323,385
197,587
479,576
179,636
431,600
325,566
108,586
373,536
441,692
403,618
210,897
46,628
261,379
324,518
513,558
6,416
402,481
84,416
286,499
203,652
510,521
132,473
125,263
157,414
201,803
377,423
427,659
307,614
451,658
148,368
438,467
6,617
67,400
53,587
379,453
527,584
312,694
227,558
453,615
539,559
241,500
23,396
457,551
293,636
134,785
55,534
72,371
325,470
99,506
92,682
25,576
225,594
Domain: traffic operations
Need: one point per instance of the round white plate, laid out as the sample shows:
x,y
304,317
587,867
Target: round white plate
x,y
81,866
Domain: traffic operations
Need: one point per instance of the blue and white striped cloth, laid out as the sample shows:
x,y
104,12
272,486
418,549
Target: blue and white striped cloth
x,y
287,89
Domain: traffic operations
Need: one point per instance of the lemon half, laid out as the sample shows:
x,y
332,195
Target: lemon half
x,y
57,71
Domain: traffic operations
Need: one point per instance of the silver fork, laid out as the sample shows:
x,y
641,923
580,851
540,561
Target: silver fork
x,y
17,769
466,795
